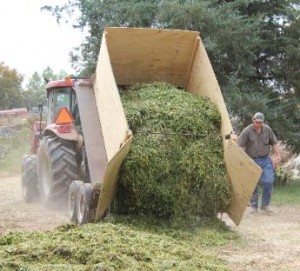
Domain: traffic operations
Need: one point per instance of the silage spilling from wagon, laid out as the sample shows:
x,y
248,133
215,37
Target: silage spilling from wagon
x,y
175,167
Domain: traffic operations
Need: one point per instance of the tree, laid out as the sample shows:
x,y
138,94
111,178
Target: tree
x,y
10,88
35,91
253,46
273,84
49,74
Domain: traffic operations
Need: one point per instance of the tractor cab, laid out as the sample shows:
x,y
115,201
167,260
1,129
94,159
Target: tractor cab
x,y
63,116
61,94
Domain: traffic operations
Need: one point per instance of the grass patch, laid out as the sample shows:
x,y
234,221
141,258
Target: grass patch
x,y
288,194
117,245
16,147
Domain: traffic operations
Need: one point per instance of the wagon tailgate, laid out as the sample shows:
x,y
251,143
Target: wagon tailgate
x,y
109,183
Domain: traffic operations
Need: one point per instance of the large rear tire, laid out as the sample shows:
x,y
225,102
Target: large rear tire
x,y
30,190
57,168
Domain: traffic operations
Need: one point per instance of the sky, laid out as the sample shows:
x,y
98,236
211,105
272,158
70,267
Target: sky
x,y
31,40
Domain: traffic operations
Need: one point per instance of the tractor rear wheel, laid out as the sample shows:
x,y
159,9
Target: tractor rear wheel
x,y
72,200
30,190
57,168
85,212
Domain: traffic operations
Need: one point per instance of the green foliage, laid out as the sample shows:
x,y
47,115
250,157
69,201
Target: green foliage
x,y
98,15
117,246
288,194
175,167
13,96
272,87
14,148
253,46
35,92
283,177
10,88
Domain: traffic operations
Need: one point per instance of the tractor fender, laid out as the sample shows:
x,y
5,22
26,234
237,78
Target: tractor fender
x,y
54,129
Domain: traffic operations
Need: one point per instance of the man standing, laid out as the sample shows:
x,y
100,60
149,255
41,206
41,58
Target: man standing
x,y
256,140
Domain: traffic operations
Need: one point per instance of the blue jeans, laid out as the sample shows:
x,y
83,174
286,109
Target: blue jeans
x,y
267,181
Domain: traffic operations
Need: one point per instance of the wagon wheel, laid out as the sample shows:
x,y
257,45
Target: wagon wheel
x,y
72,200
85,210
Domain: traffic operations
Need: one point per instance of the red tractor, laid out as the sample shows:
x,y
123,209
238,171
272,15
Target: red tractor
x,y
57,170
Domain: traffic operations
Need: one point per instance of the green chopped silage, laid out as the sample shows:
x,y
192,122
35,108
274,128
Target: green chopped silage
x,y
113,246
175,167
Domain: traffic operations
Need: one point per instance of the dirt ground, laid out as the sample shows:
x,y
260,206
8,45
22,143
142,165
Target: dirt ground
x,y
15,215
269,242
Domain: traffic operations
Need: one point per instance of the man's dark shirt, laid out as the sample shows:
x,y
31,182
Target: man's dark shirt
x,y
257,145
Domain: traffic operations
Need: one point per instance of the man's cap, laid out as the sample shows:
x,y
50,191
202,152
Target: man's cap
x,y
259,117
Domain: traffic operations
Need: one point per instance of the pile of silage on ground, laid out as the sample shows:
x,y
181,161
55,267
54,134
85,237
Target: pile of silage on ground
x,y
114,246
175,168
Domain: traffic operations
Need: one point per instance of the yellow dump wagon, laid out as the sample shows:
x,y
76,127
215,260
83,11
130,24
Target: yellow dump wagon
x,y
135,55
86,135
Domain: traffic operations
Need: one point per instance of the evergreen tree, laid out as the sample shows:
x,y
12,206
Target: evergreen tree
x,y
35,91
253,46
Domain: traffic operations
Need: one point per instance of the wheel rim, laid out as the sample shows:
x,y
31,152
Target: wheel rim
x,y
72,206
45,177
81,208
